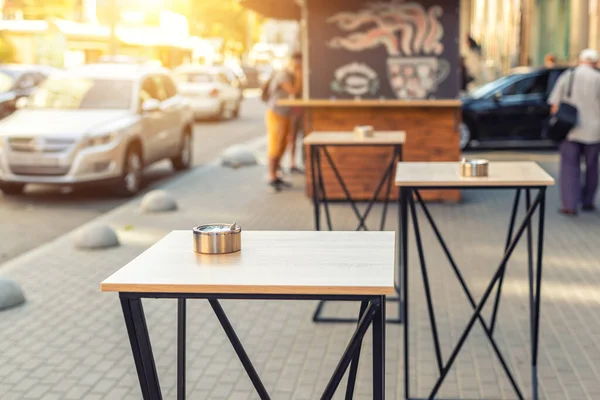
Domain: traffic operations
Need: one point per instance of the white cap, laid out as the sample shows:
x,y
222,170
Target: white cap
x,y
589,55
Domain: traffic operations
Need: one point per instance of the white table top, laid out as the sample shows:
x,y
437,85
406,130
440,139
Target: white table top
x,y
323,138
500,173
283,262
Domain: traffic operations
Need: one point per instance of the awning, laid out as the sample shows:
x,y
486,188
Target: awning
x,y
275,9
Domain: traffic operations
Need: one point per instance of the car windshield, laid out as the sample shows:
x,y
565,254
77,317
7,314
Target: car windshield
x,y
488,88
196,77
6,82
68,93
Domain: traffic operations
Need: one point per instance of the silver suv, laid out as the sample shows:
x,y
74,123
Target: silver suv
x,y
96,123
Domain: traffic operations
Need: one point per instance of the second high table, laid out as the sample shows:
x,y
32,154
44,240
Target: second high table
x,y
347,266
520,176
318,143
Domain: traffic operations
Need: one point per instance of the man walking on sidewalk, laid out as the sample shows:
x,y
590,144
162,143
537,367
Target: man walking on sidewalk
x,y
284,84
583,139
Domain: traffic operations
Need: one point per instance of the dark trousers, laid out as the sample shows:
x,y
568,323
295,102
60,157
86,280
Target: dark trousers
x,y
572,194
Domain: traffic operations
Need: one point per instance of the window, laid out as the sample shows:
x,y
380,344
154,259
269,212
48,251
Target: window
x,y
530,85
148,90
6,82
195,77
26,81
223,78
170,88
160,87
70,93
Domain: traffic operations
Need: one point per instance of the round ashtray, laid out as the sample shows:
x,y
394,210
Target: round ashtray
x,y
474,168
217,238
363,131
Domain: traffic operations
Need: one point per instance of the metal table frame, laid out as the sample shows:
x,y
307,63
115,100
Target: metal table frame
x,y
407,201
319,196
372,312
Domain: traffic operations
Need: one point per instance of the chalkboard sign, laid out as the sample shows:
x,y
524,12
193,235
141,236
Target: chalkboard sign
x,y
397,49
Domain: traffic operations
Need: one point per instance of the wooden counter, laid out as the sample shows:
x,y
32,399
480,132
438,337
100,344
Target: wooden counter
x,y
432,134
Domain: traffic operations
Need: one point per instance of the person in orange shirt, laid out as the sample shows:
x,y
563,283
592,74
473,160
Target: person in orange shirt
x,y
284,84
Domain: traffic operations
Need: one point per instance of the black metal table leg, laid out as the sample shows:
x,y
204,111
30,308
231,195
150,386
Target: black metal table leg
x,y
404,195
140,347
511,227
371,312
538,294
239,349
379,352
181,344
354,365
321,185
315,191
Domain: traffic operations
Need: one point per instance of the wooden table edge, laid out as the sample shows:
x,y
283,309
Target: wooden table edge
x,y
452,103
243,289
468,184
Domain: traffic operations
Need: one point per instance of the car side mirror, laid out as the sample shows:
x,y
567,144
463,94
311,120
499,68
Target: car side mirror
x,y
150,106
497,96
21,102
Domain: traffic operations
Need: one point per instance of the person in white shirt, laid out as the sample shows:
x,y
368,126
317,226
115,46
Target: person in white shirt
x,y
584,138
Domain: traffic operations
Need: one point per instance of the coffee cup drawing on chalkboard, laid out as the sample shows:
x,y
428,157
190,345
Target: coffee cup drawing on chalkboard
x,y
416,78
412,36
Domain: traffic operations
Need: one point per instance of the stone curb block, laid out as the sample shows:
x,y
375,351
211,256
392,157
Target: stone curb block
x,y
158,201
238,156
96,237
11,294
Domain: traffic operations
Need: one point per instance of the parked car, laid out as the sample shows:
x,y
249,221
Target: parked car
x,y
18,80
124,59
252,77
95,124
512,108
210,90
264,74
236,75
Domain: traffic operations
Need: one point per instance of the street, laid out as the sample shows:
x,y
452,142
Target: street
x,y
43,213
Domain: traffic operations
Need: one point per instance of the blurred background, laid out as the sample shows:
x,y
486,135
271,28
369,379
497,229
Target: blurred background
x,y
67,33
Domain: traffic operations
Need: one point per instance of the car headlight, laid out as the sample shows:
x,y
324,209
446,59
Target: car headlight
x,y
100,140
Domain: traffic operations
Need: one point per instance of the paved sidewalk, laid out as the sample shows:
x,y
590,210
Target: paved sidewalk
x,y
69,340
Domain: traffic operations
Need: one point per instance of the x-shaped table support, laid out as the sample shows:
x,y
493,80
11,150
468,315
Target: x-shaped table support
x,y
407,201
319,196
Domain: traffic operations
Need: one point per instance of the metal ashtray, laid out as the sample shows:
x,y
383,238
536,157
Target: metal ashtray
x,y
217,238
475,168
363,131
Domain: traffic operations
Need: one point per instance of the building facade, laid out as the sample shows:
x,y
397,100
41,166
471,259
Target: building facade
x,y
512,33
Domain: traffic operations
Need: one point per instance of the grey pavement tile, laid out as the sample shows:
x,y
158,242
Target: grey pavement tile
x,y
69,341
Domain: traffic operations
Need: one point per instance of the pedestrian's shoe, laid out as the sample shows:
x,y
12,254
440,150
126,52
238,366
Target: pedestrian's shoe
x,y
296,170
275,186
566,211
589,208
283,183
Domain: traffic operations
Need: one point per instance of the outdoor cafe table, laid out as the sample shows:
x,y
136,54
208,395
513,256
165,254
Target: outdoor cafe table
x,y
345,266
318,143
526,177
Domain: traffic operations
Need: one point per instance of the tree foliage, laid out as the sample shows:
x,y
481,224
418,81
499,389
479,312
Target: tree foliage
x,y
7,50
44,9
225,19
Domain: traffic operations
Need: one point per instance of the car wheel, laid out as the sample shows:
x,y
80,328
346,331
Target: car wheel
x,y
131,178
466,135
236,111
12,189
183,160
